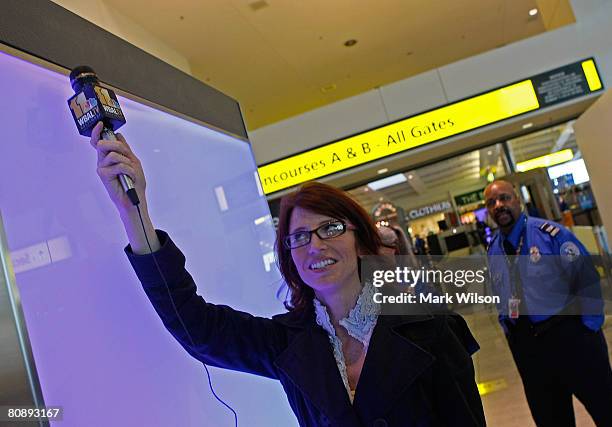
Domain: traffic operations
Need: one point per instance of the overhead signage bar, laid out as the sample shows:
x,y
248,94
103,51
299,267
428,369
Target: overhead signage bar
x,y
546,160
543,90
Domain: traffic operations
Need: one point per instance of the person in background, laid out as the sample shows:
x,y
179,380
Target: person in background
x,y
419,245
532,210
394,241
563,206
481,233
418,371
567,218
551,312
388,240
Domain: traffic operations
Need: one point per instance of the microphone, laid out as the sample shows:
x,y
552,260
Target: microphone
x,y
93,103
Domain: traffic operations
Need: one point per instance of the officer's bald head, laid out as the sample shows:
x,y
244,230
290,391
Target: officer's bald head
x,y
500,184
503,204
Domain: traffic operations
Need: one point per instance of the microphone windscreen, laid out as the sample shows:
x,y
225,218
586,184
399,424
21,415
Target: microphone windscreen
x,y
82,75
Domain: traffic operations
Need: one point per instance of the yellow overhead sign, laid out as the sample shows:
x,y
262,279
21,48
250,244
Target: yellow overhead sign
x,y
546,160
400,136
590,71
405,134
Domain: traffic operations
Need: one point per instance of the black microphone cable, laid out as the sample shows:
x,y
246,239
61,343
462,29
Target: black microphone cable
x,y
90,104
181,319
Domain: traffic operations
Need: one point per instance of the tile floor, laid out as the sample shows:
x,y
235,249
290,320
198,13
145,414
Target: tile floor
x,y
507,407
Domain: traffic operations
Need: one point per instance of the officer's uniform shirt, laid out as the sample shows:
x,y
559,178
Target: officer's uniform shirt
x,y
553,268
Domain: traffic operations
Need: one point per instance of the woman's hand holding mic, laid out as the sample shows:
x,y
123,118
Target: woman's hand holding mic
x,y
114,158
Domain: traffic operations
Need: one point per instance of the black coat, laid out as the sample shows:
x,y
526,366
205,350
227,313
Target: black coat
x,y
417,372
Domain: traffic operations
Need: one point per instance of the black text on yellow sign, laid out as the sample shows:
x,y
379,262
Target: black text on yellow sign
x,y
441,123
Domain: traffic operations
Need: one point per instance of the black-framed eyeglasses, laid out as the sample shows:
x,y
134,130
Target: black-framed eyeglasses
x,y
504,197
329,230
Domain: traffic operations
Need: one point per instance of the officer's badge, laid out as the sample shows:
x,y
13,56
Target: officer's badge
x,y
534,254
569,251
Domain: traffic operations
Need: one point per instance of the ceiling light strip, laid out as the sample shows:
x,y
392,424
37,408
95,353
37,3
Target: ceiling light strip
x,y
546,160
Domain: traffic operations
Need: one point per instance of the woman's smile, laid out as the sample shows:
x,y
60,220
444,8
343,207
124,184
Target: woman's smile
x,y
322,265
323,262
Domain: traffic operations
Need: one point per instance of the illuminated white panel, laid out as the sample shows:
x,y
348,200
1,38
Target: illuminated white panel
x,y
576,167
387,182
100,349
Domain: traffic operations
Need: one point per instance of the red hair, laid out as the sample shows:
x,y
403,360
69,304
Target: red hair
x,y
325,200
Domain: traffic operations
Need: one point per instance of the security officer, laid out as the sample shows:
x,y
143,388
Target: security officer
x,y
551,311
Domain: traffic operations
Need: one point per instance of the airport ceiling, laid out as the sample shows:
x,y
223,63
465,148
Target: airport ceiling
x,y
280,58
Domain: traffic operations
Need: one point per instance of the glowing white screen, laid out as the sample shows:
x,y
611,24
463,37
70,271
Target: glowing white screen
x,y
575,167
100,349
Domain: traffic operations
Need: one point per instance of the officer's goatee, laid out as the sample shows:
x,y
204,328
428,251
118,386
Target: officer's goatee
x,y
504,217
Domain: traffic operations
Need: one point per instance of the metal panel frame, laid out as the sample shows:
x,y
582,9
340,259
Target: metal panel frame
x,y
7,280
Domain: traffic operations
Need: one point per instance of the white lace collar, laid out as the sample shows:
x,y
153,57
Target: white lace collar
x,y
359,324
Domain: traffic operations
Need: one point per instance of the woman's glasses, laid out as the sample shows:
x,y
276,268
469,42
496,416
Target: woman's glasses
x,y
326,231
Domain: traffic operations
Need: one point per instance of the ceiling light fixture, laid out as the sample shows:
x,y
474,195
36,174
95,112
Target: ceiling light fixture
x,y
383,170
258,5
527,125
546,161
533,12
328,88
350,42
387,182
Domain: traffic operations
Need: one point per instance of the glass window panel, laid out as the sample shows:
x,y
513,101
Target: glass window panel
x,y
100,348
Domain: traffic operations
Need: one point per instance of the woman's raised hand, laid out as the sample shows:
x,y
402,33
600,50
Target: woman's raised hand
x,y
115,157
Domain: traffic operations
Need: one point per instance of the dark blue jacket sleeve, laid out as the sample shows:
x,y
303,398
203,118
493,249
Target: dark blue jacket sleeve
x,y
586,285
214,334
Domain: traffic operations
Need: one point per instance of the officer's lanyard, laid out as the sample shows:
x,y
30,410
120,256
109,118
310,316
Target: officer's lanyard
x,y
512,262
518,250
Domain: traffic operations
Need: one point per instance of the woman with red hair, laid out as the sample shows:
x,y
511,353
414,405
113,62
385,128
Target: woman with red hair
x,y
340,362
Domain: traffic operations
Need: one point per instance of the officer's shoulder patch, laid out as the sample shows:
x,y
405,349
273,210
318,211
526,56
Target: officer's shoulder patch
x,y
549,228
569,251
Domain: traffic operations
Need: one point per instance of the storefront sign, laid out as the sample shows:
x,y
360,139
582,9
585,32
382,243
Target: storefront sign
x,y
512,100
430,209
469,198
